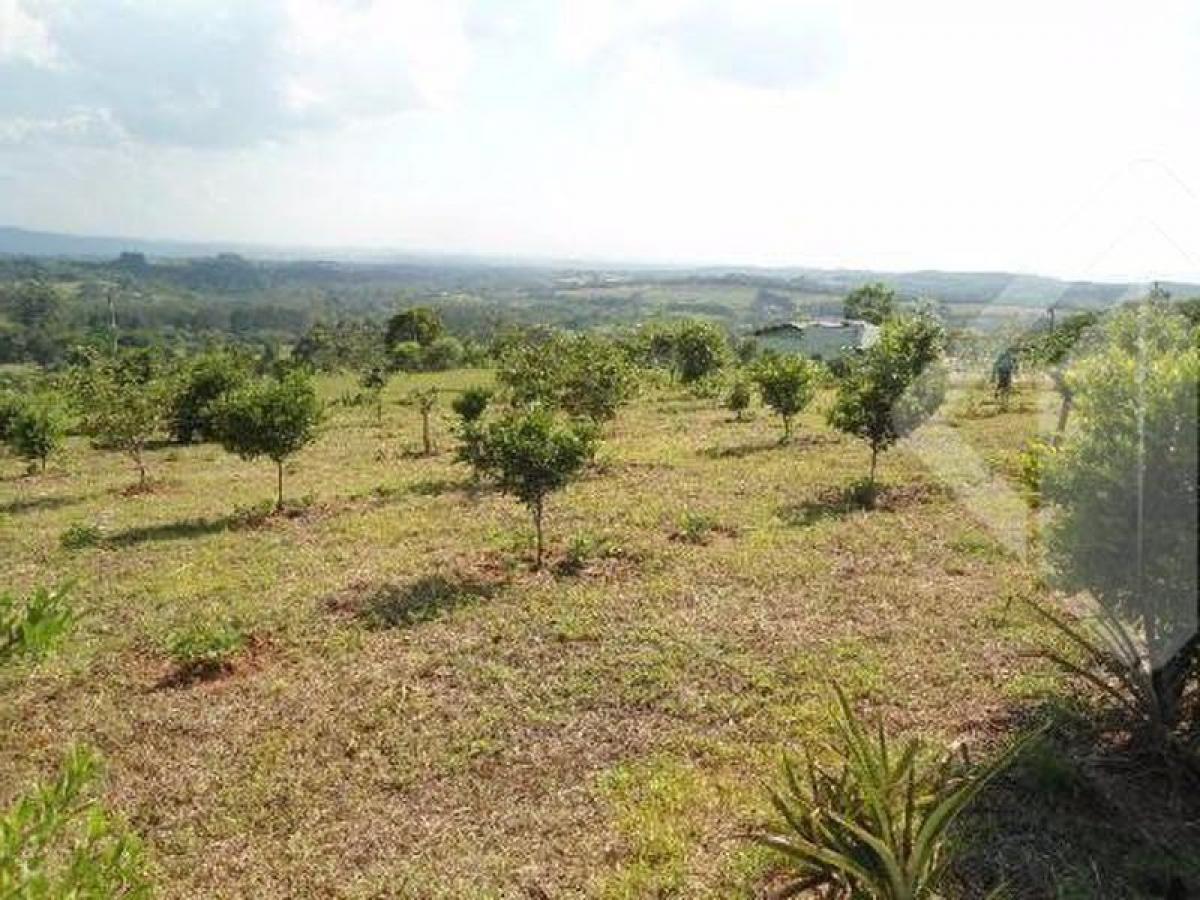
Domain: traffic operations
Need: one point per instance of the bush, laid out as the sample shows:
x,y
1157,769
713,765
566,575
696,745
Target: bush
x,y
877,823
443,353
695,527
786,383
530,455
79,536
584,375
204,380
38,429
701,350
738,397
205,648
271,417
56,841
471,404
30,628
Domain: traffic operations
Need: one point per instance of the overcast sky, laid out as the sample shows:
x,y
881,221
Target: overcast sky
x,y
1047,136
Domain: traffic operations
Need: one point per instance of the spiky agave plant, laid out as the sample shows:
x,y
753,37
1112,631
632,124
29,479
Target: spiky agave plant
x,y
877,824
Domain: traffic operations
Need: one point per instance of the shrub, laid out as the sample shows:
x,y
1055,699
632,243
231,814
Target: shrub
x,y
786,383
584,375
701,350
205,648
419,325
373,380
79,536
876,824
530,455
893,386
442,353
31,627
56,841
123,402
204,380
471,404
271,417
38,429
738,397
874,302
695,527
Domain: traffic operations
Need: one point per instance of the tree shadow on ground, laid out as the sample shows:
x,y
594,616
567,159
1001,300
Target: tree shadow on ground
x,y
1083,813
172,531
833,501
37,504
425,599
796,441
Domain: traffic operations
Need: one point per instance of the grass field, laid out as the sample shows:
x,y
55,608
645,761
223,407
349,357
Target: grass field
x,y
417,714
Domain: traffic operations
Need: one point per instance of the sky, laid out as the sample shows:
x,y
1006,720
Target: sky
x,y
1052,137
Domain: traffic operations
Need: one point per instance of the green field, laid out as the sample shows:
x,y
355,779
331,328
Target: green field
x,y
418,714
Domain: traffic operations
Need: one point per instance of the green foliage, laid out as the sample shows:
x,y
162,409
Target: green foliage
x,y
343,345
877,823
373,379
701,349
1123,487
695,527
530,454
123,401
78,536
419,324
29,628
38,428
10,405
1032,462
204,648
471,404
204,380
787,384
584,375
442,353
271,417
57,842
874,302
893,386
738,397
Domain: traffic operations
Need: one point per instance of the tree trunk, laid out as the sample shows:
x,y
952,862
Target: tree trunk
x,y
787,429
425,437
537,527
1064,411
141,466
871,477
279,485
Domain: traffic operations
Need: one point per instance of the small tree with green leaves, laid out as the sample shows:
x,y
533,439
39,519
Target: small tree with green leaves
x,y
373,379
787,384
123,402
701,350
594,379
204,380
739,396
57,841
471,404
531,454
892,387
271,417
37,429
874,302
425,400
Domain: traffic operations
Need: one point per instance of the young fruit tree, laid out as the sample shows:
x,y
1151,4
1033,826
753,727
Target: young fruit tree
x,y
425,399
373,379
892,387
595,378
737,399
1122,492
530,454
271,417
202,382
786,383
37,428
701,351
123,402
471,404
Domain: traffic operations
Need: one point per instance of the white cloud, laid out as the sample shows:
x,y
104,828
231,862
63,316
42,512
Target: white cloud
x,y
24,38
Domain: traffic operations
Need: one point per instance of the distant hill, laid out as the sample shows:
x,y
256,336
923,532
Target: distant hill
x,y
999,289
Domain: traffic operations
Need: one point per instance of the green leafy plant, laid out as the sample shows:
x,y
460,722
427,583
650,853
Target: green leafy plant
x,y
80,535
205,648
37,429
738,397
530,454
373,379
875,824
56,841
204,380
471,404
695,527
29,628
874,302
787,384
271,417
701,350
